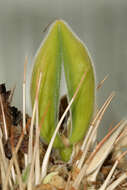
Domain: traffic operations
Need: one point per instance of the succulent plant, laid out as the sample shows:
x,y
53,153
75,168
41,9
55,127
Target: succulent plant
x,y
61,48
27,162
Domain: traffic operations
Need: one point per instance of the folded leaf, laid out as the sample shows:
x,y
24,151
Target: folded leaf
x,y
61,46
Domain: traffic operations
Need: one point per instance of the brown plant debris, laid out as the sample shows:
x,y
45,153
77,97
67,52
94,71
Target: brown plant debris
x,y
14,120
60,175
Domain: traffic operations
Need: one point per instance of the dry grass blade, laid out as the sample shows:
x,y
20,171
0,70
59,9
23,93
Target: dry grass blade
x,y
117,182
47,154
19,178
99,116
11,162
24,104
93,129
6,137
30,145
24,96
93,176
36,146
104,148
103,108
32,176
3,158
3,166
2,172
96,158
85,141
106,182
102,82
121,137
4,120
37,161
68,183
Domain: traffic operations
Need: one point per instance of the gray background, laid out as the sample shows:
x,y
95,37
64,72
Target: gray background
x,y
101,24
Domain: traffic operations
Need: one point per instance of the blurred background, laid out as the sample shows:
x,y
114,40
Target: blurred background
x,y
101,24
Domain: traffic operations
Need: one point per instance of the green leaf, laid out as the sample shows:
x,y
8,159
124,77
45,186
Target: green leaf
x,y
77,61
61,46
